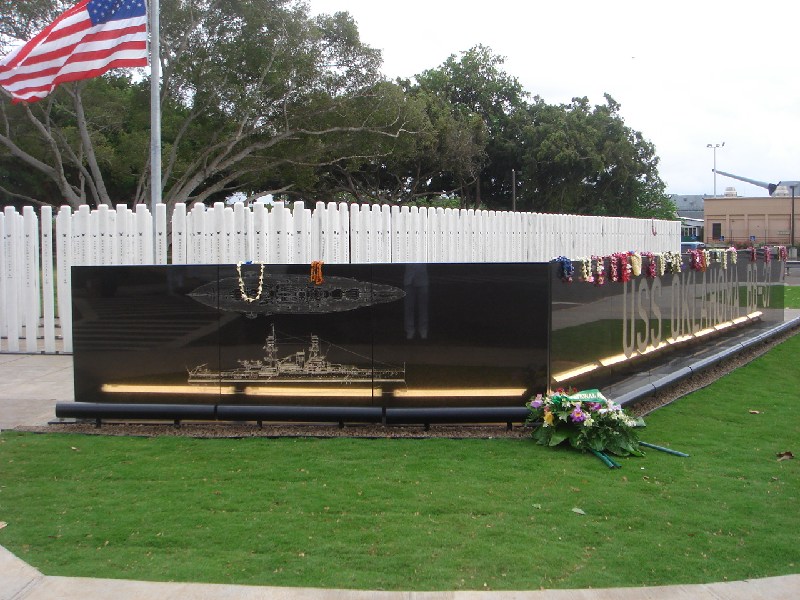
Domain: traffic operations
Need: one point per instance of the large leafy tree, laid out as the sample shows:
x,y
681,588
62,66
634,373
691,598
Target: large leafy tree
x,y
253,91
462,111
438,162
477,88
583,159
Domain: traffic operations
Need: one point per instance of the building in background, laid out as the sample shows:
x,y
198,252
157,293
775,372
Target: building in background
x,y
690,211
746,221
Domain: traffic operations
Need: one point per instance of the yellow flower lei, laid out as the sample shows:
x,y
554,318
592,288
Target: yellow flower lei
x,y
662,264
586,269
636,263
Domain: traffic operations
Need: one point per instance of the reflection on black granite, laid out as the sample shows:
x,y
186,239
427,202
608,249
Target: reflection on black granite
x,y
479,333
416,285
395,335
604,334
135,328
477,336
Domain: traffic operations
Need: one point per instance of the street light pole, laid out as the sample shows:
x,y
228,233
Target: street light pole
x,y
792,228
714,148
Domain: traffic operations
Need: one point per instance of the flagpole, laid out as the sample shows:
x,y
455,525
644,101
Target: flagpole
x,y
155,111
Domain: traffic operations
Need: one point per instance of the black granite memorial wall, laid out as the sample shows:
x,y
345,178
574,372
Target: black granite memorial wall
x,y
396,335
602,333
402,337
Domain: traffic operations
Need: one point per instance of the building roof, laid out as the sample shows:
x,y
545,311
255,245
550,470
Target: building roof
x,y
688,205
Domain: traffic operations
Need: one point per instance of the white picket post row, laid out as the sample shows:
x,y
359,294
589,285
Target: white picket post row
x,y
4,249
30,274
64,260
48,296
36,257
11,276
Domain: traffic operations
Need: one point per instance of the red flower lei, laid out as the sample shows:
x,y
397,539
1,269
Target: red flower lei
x,y
651,264
697,260
624,266
600,279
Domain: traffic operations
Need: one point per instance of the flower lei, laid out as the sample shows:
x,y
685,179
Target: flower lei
x,y
625,267
622,266
651,264
242,290
636,263
316,272
600,277
661,259
767,254
675,261
783,253
713,255
566,270
586,270
698,261
613,267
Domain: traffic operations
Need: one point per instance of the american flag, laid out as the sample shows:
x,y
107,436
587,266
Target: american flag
x,y
89,39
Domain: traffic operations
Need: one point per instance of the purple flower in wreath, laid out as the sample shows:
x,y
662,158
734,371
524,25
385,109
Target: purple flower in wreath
x,y
577,415
537,402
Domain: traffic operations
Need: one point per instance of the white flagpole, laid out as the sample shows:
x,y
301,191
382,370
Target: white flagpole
x,y
155,111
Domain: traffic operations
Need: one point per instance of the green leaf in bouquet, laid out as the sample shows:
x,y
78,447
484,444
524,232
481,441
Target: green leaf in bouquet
x,y
559,435
541,436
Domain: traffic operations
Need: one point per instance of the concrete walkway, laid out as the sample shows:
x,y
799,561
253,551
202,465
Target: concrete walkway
x,y
30,386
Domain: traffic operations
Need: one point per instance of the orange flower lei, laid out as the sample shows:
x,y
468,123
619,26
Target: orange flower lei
x,y
316,272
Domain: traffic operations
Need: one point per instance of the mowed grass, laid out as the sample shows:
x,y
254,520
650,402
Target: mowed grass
x,y
432,514
791,296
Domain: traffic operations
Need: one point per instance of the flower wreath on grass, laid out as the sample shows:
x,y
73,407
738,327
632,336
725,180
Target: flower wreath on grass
x,y
589,422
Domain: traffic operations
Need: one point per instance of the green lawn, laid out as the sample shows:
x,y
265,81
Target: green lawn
x,y
791,296
428,514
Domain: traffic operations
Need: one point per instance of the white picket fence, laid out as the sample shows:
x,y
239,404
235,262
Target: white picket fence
x,y
38,250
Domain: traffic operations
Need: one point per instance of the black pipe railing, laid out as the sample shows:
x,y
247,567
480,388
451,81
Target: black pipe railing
x,y
99,411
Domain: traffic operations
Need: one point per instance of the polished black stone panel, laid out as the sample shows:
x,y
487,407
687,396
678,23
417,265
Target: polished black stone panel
x,y
309,344
136,331
367,335
394,336
604,333
467,334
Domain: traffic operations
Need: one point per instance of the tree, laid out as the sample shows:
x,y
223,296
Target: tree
x,y
252,90
584,160
476,87
438,161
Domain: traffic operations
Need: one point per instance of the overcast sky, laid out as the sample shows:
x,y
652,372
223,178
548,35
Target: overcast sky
x,y
687,74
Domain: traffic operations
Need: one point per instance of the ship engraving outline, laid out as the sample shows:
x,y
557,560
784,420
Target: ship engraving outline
x,y
307,366
294,294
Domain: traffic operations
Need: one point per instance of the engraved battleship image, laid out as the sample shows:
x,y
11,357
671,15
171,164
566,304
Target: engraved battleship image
x,y
294,294
308,366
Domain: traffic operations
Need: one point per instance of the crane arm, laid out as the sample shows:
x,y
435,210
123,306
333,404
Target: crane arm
x,y
771,187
